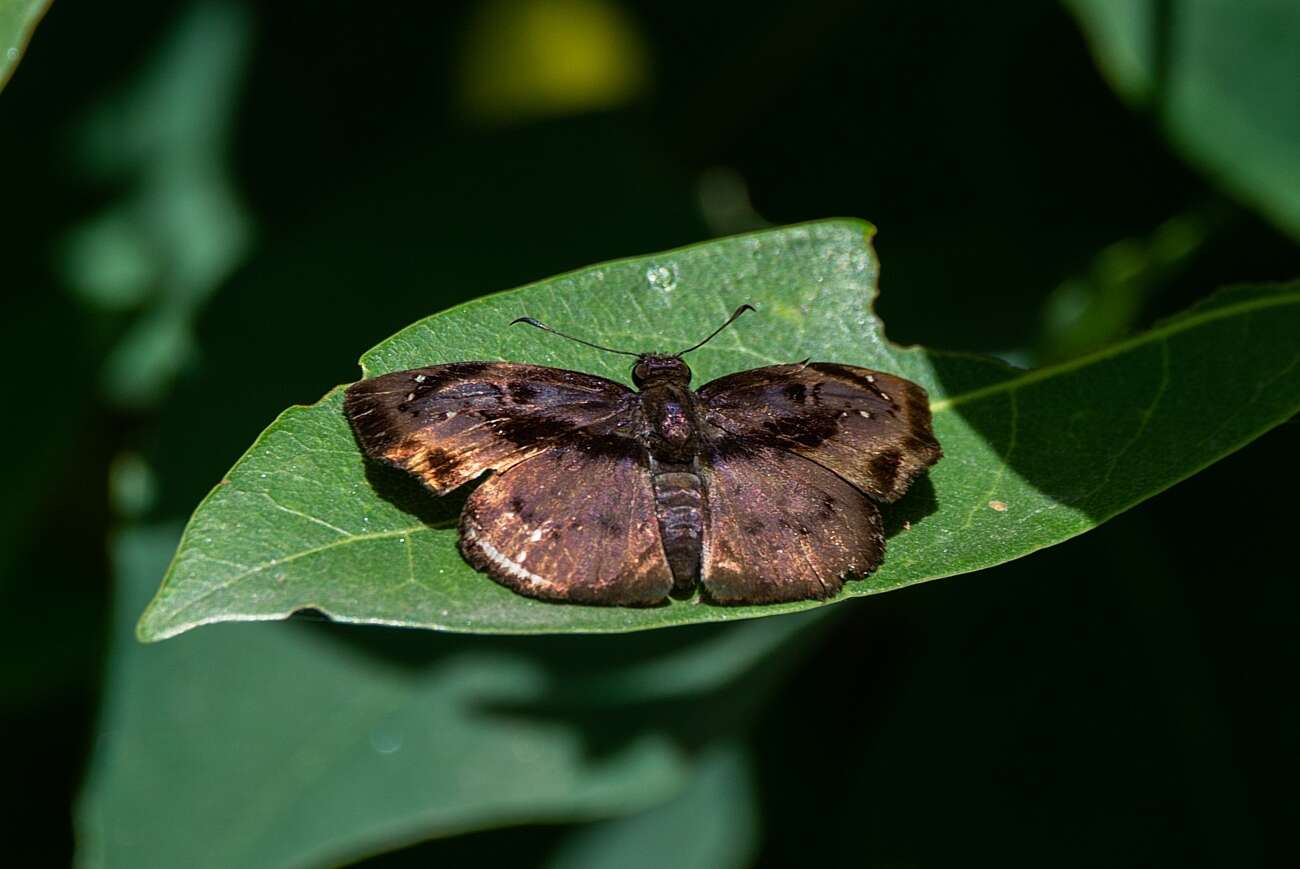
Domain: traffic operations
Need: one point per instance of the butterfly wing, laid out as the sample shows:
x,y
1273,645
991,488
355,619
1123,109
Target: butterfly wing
x,y
871,428
574,523
782,527
447,424
570,513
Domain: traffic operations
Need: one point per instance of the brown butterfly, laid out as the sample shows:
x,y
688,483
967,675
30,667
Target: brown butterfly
x,y
761,485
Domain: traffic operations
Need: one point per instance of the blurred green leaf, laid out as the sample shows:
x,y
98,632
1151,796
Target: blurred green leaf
x,y
18,20
711,824
304,745
1221,76
166,246
1091,310
1032,458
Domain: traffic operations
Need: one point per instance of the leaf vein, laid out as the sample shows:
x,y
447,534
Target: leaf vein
x,y
1144,421
292,512
275,562
1160,333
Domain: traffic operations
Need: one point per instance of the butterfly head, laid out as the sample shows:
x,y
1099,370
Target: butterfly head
x,y
651,368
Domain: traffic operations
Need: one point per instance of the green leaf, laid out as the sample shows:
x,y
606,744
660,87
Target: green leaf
x,y
18,20
712,824
294,745
1221,76
1032,458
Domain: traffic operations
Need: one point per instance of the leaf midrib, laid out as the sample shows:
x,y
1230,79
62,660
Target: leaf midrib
x,y
1160,333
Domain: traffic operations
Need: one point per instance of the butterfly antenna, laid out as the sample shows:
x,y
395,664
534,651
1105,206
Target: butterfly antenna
x,y
742,309
545,328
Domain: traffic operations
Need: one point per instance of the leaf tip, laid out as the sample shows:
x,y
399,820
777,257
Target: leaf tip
x,y
155,624
147,629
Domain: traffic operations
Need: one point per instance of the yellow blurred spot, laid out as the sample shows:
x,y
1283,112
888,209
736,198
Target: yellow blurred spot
x,y
528,59
783,311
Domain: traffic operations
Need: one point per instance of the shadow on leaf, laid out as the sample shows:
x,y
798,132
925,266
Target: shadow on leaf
x,y
919,502
407,494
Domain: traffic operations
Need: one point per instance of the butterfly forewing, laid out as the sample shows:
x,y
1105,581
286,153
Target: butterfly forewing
x,y
447,424
869,427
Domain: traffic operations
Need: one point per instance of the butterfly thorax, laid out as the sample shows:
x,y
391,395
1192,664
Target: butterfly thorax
x,y
672,426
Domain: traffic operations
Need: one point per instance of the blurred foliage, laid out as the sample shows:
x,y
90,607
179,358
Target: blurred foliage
x,y
1103,304
352,742
18,19
710,824
528,59
176,232
1220,76
281,188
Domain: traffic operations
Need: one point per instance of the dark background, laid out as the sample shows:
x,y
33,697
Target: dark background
x,y
1126,698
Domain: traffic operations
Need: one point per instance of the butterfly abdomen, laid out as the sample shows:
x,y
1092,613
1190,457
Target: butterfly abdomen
x,y
679,507
671,441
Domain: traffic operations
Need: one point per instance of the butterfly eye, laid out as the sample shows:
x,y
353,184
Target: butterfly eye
x,y
641,373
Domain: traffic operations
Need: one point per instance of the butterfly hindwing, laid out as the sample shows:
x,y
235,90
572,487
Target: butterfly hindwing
x,y
782,527
572,523
871,428
447,424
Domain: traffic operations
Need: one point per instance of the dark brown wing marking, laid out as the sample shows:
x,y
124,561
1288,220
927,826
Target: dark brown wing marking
x,y
871,428
570,524
782,528
449,423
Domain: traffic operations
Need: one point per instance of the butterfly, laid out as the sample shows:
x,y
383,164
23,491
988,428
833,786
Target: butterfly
x,y
760,486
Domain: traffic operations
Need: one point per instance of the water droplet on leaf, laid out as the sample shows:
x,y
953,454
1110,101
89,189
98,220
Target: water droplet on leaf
x,y
661,277
385,742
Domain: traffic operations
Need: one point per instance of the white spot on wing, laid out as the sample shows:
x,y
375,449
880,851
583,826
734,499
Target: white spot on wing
x,y
503,562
